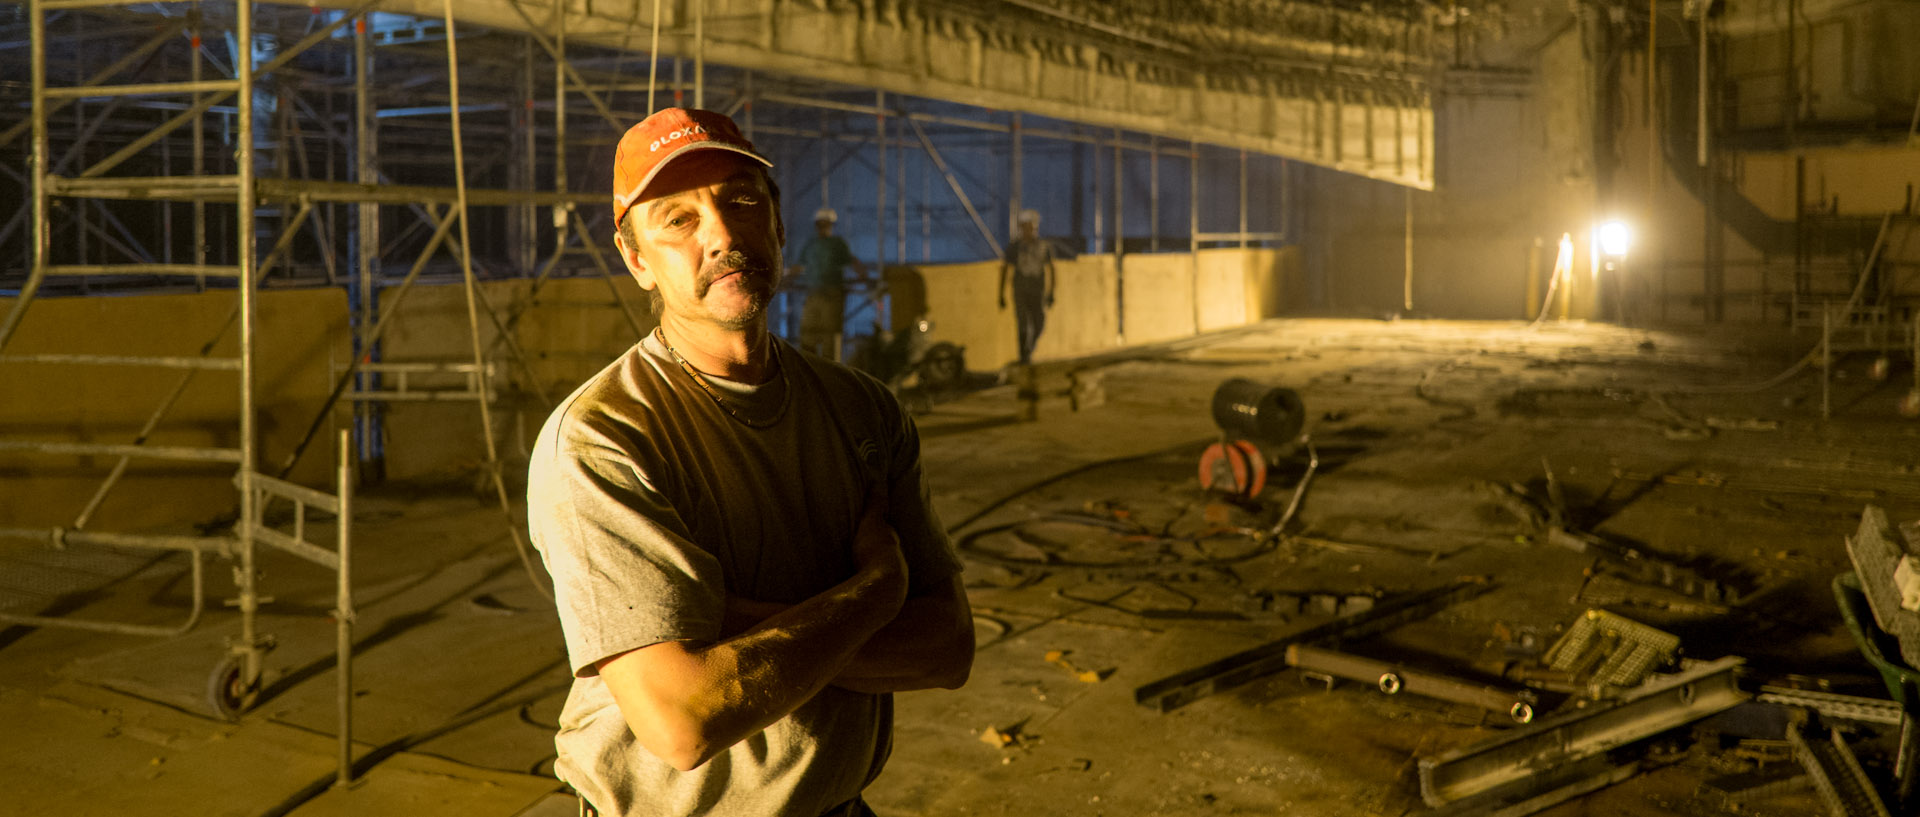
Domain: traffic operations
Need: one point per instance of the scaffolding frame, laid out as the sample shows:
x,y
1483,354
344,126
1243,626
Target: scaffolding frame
x,y
236,681
277,123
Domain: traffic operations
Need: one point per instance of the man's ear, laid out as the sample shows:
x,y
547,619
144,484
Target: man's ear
x,y
636,265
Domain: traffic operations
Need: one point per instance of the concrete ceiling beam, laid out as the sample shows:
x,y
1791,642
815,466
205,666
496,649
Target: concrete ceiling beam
x,y
1351,104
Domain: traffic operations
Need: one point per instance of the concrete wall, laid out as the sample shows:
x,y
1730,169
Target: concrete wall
x,y
574,328
1847,181
301,335
1236,287
1514,167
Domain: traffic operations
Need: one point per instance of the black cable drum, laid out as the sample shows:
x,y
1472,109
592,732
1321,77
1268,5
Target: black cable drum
x,y
1258,412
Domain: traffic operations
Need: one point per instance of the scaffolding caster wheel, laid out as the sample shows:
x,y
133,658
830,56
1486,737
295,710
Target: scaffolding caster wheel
x,y
229,691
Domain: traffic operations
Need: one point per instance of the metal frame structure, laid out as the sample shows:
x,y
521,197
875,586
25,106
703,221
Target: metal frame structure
x,y
236,680
349,169
238,675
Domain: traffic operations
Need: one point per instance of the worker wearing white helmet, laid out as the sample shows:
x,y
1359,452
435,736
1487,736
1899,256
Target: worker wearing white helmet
x,y
1030,260
823,263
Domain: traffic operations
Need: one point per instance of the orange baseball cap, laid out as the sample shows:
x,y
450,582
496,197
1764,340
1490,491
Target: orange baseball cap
x,y
661,138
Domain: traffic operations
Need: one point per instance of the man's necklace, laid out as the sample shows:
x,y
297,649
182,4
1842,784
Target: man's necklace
x,y
786,390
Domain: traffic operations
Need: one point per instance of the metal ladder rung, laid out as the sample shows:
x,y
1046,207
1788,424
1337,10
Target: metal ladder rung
x,y
231,364
62,538
178,270
145,187
52,5
416,396
142,89
156,452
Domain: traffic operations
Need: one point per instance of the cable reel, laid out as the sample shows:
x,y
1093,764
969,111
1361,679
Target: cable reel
x,y
1259,425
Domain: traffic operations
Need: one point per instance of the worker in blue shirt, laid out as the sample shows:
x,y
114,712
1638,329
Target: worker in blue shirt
x,y
823,263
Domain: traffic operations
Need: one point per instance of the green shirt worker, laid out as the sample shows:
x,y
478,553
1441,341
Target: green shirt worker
x,y
823,263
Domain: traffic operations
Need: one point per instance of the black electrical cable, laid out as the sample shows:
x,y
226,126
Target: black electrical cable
x,y
969,544
1071,472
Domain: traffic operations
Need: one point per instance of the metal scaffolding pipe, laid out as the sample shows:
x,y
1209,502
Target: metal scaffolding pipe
x,y
1015,174
560,63
37,88
880,192
1119,241
954,184
473,300
343,610
699,53
1193,226
1153,193
250,648
139,53
387,315
194,550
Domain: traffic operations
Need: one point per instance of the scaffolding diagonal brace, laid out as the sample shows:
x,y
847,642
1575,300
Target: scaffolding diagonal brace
x,y
941,162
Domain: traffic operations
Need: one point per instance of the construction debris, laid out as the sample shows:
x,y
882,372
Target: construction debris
x,y
1836,775
1180,689
1008,737
1876,559
1834,707
1736,792
1088,676
1570,754
1548,520
1393,679
1606,652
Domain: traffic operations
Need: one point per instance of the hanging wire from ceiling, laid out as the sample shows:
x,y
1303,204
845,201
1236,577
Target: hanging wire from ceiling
x,y
653,57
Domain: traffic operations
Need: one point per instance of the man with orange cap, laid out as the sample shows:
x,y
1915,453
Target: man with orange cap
x,y
745,560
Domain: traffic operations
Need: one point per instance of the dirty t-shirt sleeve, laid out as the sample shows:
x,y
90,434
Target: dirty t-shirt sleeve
x,y
625,572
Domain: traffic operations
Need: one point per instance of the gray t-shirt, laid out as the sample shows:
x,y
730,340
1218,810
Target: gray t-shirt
x,y
649,504
1029,257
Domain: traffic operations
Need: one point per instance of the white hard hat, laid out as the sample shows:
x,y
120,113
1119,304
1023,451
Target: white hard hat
x,y
1030,217
826,214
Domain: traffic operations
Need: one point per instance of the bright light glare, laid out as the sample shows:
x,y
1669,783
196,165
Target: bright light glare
x,y
1615,238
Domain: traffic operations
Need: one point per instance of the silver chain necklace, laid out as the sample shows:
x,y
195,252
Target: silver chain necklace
x,y
699,379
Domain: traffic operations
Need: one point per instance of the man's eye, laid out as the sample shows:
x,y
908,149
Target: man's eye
x,y
676,221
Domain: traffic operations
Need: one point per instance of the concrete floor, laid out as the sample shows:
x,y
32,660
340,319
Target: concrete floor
x,y
459,668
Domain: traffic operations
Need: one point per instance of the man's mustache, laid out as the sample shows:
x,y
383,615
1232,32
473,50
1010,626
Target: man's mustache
x,y
733,262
